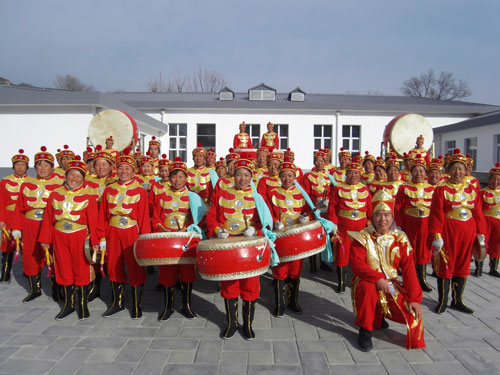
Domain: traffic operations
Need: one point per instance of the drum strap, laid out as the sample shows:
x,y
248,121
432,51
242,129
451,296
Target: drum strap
x,y
198,210
332,180
213,177
326,255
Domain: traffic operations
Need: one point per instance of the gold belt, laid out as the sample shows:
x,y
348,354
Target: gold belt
x,y
67,226
36,214
493,213
122,222
417,211
352,214
462,214
11,207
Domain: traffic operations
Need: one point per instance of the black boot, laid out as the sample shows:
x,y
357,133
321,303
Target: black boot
x,y
325,266
95,288
68,302
248,314
35,288
493,267
279,297
57,296
293,295
478,272
443,290
83,309
7,259
341,278
168,307
365,340
457,292
422,277
312,263
136,292
232,318
117,304
187,291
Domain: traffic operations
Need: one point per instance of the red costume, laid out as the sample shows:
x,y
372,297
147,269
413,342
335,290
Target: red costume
x,y
242,140
9,194
199,182
270,140
268,183
316,184
490,200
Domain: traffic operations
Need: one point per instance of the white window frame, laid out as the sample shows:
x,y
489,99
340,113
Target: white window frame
x,y
471,150
253,130
204,144
496,149
450,146
177,150
351,138
278,129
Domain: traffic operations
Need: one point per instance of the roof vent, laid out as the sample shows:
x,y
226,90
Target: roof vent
x,y
297,95
262,92
226,94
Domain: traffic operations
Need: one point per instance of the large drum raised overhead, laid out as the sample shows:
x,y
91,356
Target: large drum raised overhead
x,y
300,241
114,123
402,132
166,248
232,258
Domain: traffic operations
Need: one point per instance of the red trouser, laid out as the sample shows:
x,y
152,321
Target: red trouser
x,y
170,274
493,236
370,312
343,247
33,254
71,266
248,289
290,269
6,245
417,231
458,237
120,252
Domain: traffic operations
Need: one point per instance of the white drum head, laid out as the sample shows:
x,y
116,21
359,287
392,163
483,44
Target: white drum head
x,y
114,123
405,131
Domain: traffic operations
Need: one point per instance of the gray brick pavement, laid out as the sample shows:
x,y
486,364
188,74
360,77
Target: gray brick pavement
x,y
322,340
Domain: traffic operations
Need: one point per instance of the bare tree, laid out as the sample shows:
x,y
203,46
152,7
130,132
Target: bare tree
x,y
72,83
203,80
156,84
444,87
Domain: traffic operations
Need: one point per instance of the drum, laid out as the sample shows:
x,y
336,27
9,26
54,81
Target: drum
x,y
401,133
233,258
94,257
300,241
116,123
247,153
166,248
479,250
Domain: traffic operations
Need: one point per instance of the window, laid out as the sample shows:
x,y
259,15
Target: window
x,y
322,136
282,130
450,146
253,130
351,138
177,141
496,152
206,135
471,149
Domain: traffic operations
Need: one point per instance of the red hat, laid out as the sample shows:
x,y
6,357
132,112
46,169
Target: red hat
x,y
88,154
232,155
320,154
289,153
244,163
436,163
211,152
379,162
418,160
327,150
66,152
199,150
147,159
44,155
392,161
457,156
289,159
420,138
178,165
391,155
20,157
220,163
77,164
357,158
137,153
344,154
164,162
382,201
125,158
495,170
99,154
470,161
287,166
275,156
154,142
263,149
110,138
369,157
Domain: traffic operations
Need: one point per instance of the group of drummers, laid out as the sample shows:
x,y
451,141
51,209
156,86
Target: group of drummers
x,y
82,218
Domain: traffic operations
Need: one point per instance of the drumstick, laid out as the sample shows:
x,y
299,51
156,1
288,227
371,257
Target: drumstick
x,y
177,222
162,227
246,222
279,215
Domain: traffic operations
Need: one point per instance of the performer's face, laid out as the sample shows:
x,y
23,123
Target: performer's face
x,y
392,174
270,127
457,172
211,160
494,181
230,167
380,173
20,168
74,179
344,162
418,174
147,169
469,170
242,178
154,151
178,179
261,159
352,177
382,221
273,166
90,166
221,171
319,164
287,179
434,176
109,144
43,169
243,126
65,160
199,160
368,166
102,168
420,142
163,172
125,172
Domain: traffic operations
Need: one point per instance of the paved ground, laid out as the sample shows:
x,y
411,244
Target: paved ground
x,y
320,341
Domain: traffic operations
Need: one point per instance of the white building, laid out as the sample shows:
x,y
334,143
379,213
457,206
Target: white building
x,y
31,117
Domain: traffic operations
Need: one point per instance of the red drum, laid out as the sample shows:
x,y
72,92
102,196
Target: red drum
x,y
116,123
247,153
402,132
300,241
165,248
233,258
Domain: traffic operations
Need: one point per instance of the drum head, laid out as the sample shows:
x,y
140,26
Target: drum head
x,y
114,123
479,250
403,131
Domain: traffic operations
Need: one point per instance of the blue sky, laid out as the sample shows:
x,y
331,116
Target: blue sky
x,y
322,46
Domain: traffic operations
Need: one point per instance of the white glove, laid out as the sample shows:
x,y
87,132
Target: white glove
x,y
102,245
438,244
481,237
249,232
335,229
16,234
222,233
303,219
279,225
325,202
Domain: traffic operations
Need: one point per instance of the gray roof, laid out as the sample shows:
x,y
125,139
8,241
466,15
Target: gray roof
x,y
491,118
12,96
262,86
